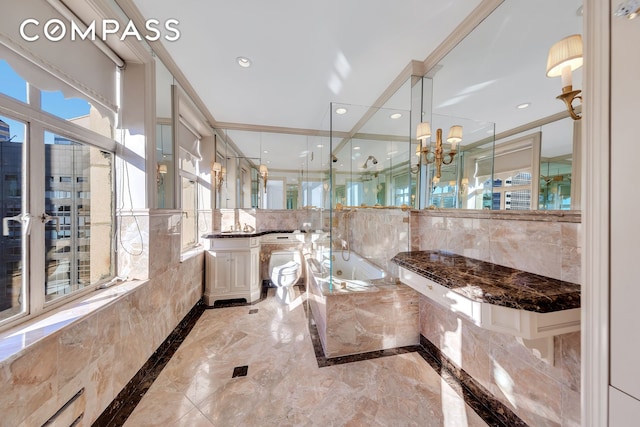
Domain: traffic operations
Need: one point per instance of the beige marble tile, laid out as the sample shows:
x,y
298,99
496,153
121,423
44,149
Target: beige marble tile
x,y
571,264
570,360
32,380
535,397
534,257
153,410
570,408
284,386
193,418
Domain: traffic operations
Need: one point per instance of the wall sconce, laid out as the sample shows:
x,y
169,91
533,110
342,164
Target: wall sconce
x,y
564,57
219,172
264,172
161,171
438,157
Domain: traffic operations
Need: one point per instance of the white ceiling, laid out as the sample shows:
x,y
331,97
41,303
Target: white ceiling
x,y
308,54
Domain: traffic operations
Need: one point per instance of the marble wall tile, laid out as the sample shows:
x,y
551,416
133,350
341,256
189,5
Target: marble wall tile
x,y
539,393
535,397
571,416
133,246
377,235
31,381
538,243
76,348
368,321
570,361
469,243
164,232
571,234
571,264
100,351
535,257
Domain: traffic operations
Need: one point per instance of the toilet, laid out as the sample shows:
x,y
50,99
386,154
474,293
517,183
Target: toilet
x,y
284,271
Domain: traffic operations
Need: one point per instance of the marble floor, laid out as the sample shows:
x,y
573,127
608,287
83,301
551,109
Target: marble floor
x,y
256,366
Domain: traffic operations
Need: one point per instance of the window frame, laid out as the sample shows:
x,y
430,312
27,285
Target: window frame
x,y
38,122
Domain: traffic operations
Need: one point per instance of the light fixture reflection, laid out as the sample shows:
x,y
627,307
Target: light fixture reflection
x,y
437,156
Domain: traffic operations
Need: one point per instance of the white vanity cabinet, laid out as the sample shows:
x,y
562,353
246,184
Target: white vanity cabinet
x,y
232,266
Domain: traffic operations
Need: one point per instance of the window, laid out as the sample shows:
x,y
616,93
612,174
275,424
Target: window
x,y
11,84
189,213
71,270
274,197
76,168
312,193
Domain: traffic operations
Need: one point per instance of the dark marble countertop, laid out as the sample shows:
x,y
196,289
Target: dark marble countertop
x,y
238,234
491,283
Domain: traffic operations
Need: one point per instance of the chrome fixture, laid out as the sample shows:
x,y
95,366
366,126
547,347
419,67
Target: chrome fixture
x,y
564,57
373,160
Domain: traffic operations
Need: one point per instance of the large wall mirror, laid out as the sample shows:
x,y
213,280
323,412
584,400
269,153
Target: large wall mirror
x,y
271,170
498,74
520,149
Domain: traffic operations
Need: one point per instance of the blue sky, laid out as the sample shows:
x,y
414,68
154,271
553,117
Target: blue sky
x,y
13,85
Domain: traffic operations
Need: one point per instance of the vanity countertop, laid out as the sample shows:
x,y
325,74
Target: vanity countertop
x,y
494,284
240,234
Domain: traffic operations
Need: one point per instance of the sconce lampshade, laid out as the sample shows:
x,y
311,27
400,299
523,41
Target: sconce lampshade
x,y
455,134
424,131
162,169
216,167
263,170
566,52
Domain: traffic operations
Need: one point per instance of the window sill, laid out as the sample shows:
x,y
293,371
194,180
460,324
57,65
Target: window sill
x,y
16,340
190,253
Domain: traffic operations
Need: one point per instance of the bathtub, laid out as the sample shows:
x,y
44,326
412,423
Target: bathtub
x,y
351,266
349,303
340,271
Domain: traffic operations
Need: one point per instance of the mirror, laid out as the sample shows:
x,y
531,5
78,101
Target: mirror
x,y
165,159
479,80
372,166
296,169
500,76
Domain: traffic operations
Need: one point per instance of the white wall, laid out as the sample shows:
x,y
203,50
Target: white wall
x,y
625,233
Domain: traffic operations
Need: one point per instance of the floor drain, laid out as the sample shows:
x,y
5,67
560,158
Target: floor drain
x,y
254,311
240,371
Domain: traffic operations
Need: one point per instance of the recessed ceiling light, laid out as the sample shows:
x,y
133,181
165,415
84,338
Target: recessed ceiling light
x,y
395,115
523,105
243,61
319,145
341,110
266,151
356,148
